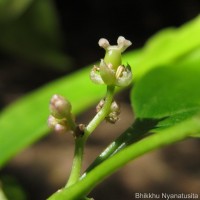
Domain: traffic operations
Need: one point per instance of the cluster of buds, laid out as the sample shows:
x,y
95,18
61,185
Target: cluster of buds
x,y
110,70
113,115
61,120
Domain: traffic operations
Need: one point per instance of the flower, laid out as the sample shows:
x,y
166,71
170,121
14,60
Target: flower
x,y
111,71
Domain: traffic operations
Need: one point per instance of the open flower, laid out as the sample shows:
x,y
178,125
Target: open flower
x,y
111,71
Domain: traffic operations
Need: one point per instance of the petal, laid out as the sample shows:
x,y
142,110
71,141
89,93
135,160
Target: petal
x,y
95,76
107,73
125,79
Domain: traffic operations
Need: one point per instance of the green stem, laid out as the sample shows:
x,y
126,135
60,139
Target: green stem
x,y
80,142
100,116
71,122
109,166
77,162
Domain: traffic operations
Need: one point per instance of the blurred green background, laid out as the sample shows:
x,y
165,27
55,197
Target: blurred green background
x,y
41,40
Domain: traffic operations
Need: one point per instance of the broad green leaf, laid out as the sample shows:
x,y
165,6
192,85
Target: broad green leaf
x,y
166,46
161,49
169,92
163,138
163,99
24,122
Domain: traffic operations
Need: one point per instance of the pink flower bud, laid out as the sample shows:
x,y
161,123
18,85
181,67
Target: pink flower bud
x,y
52,121
59,106
59,128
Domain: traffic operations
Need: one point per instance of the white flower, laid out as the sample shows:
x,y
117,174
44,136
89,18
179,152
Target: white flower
x,y
111,71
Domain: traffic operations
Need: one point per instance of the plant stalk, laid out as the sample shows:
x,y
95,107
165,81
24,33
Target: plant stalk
x,y
77,162
80,141
98,174
101,115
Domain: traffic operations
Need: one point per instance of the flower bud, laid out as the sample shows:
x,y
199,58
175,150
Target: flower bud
x,y
100,105
61,129
115,107
58,125
52,121
59,106
113,116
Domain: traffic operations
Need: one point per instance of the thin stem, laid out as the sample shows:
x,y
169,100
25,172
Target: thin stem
x,y
77,162
71,122
80,142
100,116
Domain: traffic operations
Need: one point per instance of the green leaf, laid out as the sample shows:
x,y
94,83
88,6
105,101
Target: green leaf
x,y
98,174
166,47
157,95
166,95
12,188
26,120
169,92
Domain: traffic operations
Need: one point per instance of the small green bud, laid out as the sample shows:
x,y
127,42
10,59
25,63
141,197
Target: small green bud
x,y
59,106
